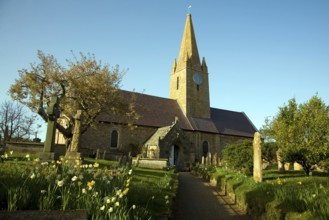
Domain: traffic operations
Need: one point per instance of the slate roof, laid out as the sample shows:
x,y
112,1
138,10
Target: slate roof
x,y
159,112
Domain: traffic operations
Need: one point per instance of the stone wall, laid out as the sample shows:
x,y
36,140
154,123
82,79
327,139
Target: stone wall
x,y
100,137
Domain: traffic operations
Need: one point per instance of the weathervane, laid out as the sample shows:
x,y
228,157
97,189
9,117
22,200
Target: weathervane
x,y
189,9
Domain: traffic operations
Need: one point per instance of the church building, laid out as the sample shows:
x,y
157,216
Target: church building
x,y
181,128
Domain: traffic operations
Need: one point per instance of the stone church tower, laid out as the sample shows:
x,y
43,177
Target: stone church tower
x,y
189,83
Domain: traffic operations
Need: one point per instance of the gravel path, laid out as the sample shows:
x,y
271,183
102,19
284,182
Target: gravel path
x,y
198,200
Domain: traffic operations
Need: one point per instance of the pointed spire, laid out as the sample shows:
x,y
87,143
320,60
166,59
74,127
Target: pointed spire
x,y
204,65
188,46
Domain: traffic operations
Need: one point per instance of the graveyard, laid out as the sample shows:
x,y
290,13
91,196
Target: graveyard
x,y
79,142
82,190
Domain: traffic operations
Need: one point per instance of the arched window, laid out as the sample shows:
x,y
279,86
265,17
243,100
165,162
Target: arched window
x,y
114,139
177,86
205,148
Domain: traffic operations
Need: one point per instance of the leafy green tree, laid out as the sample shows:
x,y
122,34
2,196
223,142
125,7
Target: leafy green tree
x,y
301,131
239,156
85,85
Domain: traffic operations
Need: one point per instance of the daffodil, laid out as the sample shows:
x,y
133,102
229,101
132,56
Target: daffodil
x,y
96,165
74,178
110,210
117,204
130,172
44,163
60,183
125,192
102,208
84,191
32,176
11,152
134,206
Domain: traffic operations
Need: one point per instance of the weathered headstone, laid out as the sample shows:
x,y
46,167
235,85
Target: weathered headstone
x,y
258,175
202,160
72,153
97,154
53,113
104,154
288,166
298,167
279,159
215,159
209,158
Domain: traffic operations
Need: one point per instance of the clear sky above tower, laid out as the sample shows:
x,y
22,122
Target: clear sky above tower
x,y
259,53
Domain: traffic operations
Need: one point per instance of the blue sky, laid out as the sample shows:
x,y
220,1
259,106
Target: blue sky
x,y
260,53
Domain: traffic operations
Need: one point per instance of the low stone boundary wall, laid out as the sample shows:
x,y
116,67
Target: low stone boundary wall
x,y
30,147
44,215
150,163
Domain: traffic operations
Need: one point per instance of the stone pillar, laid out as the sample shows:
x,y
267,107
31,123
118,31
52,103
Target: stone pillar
x,y
53,113
258,175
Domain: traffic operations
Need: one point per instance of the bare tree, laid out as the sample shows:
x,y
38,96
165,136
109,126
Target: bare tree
x,y
15,122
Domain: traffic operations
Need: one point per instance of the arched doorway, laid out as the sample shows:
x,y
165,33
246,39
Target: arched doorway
x,y
205,149
173,155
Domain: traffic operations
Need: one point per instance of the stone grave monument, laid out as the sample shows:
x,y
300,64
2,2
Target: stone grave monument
x,y
49,145
257,174
72,152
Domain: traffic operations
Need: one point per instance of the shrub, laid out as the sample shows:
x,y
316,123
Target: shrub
x,y
239,156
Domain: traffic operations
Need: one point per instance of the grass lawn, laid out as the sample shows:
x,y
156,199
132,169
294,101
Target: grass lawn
x,y
154,189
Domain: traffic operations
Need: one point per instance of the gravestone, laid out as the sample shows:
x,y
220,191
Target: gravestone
x,y
279,159
53,113
97,154
104,154
258,175
72,153
215,159
209,158
202,160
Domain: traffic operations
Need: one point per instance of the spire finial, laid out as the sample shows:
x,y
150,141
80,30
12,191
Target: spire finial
x,y
189,9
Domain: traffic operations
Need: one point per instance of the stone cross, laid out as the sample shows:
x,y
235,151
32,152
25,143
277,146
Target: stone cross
x,y
53,113
76,132
258,175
